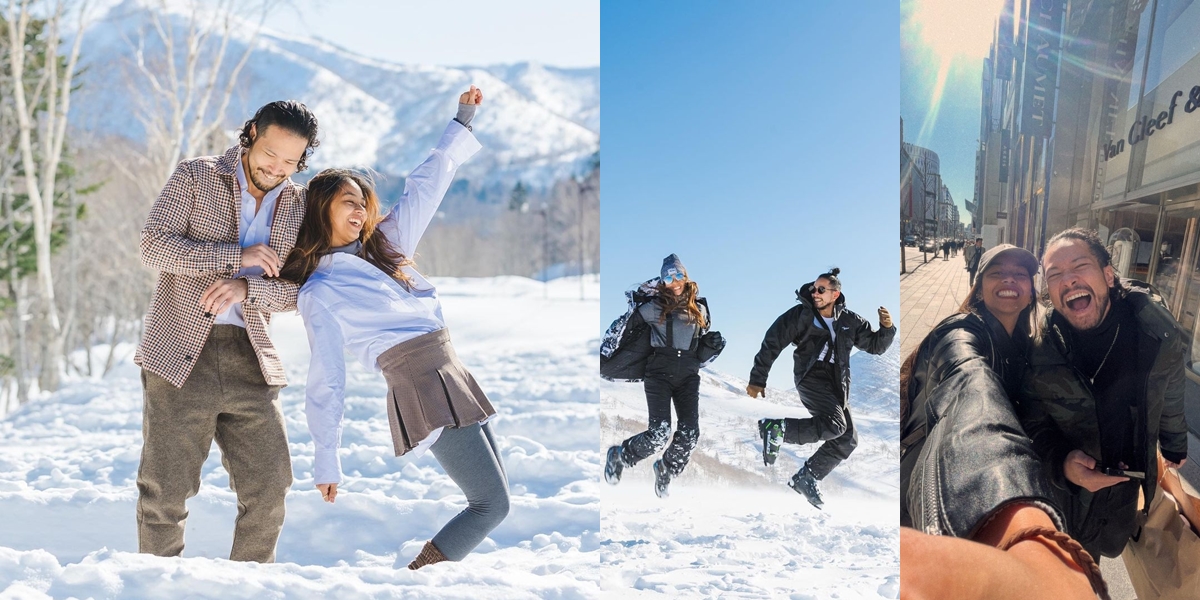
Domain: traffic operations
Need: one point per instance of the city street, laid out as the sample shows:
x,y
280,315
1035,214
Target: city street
x,y
930,292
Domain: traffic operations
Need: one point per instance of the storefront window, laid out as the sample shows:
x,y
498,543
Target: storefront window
x,y
1171,132
1188,304
1174,42
1171,251
1142,219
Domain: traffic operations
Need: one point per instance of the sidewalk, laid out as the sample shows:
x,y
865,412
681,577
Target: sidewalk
x,y
929,292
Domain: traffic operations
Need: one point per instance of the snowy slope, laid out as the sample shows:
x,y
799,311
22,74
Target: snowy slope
x,y
731,527
538,123
68,465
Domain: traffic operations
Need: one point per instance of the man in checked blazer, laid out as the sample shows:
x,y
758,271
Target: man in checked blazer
x,y
209,372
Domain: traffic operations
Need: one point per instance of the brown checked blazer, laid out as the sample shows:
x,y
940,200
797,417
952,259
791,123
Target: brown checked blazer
x,y
191,238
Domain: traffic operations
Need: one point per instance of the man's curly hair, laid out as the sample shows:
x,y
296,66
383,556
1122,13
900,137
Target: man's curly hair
x,y
290,115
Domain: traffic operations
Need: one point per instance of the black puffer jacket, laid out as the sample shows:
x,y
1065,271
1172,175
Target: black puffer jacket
x,y
963,454
797,326
626,344
1058,410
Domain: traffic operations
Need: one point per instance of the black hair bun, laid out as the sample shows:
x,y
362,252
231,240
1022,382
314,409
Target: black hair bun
x,y
834,271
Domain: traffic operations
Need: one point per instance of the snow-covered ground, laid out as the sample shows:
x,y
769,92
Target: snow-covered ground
x,y
731,527
68,463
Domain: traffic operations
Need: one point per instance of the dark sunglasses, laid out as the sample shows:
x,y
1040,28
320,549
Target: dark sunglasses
x,y
822,289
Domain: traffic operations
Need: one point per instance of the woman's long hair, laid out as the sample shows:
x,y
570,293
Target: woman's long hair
x,y
971,304
686,300
316,232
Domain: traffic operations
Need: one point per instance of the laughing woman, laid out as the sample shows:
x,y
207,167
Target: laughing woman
x,y
360,292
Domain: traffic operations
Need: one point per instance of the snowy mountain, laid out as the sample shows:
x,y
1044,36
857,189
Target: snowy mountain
x,y
68,464
731,526
538,123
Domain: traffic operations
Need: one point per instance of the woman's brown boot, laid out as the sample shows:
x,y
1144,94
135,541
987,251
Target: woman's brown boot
x,y
429,555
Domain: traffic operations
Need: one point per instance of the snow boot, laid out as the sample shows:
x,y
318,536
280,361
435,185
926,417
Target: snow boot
x,y
662,478
614,465
771,432
805,483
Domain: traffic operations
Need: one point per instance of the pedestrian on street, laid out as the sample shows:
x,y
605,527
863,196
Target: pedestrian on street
x,y
209,370
823,331
360,292
973,254
663,339
946,250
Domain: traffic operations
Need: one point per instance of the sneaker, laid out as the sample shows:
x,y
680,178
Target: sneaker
x,y
614,465
771,432
661,479
804,483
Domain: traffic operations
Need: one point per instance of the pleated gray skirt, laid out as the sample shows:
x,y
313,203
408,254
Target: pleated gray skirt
x,y
429,388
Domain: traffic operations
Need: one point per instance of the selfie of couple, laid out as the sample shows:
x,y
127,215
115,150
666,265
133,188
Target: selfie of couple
x,y
1049,436
234,239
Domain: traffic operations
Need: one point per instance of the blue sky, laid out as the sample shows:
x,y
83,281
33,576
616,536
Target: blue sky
x,y
949,38
760,143
463,32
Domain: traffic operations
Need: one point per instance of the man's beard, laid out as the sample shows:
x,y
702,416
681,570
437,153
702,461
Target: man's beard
x,y
264,187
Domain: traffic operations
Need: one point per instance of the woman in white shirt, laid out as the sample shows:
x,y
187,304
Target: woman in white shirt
x,y
360,292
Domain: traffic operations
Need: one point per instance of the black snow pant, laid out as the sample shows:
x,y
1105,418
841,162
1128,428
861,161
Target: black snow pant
x,y
671,375
821,393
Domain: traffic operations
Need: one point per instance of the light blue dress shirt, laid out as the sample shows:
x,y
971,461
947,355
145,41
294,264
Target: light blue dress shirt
x,y
253,228
350,305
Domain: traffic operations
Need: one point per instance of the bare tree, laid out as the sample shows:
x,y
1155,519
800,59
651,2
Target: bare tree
x,y
184,82
41,130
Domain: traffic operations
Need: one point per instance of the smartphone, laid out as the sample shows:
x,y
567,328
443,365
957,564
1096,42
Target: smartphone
x,y
1124,473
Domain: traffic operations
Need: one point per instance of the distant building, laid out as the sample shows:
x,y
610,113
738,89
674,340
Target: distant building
x,y
921,191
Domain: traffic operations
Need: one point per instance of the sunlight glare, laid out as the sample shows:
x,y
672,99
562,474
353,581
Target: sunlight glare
x,y
955,29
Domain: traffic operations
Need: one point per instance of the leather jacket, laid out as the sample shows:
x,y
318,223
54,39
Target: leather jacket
x,y
963,454
1058,409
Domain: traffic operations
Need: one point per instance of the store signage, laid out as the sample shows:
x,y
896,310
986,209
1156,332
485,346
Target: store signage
x,y
1004,146
1041,67
1145,127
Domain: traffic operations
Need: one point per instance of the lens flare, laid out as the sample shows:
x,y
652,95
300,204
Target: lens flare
x,y
956,29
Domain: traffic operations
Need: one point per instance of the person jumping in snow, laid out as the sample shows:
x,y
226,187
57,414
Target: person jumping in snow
x,y
360,292
663,339
823,330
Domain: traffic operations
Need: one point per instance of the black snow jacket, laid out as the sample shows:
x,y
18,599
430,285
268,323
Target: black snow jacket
x,y
1058,410
797,327
963,454
626,344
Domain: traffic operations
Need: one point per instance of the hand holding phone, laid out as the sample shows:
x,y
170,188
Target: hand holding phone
x,y
1124,473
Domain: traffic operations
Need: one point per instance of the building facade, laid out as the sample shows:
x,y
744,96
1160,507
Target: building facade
x,y
1091,117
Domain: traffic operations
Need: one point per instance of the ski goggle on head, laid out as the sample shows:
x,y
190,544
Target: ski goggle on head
x,y
673,276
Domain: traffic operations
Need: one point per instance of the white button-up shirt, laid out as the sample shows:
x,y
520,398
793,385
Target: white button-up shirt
x,y
253,228
350,305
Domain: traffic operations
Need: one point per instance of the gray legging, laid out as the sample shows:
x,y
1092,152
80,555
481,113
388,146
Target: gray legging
x,y
470,457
